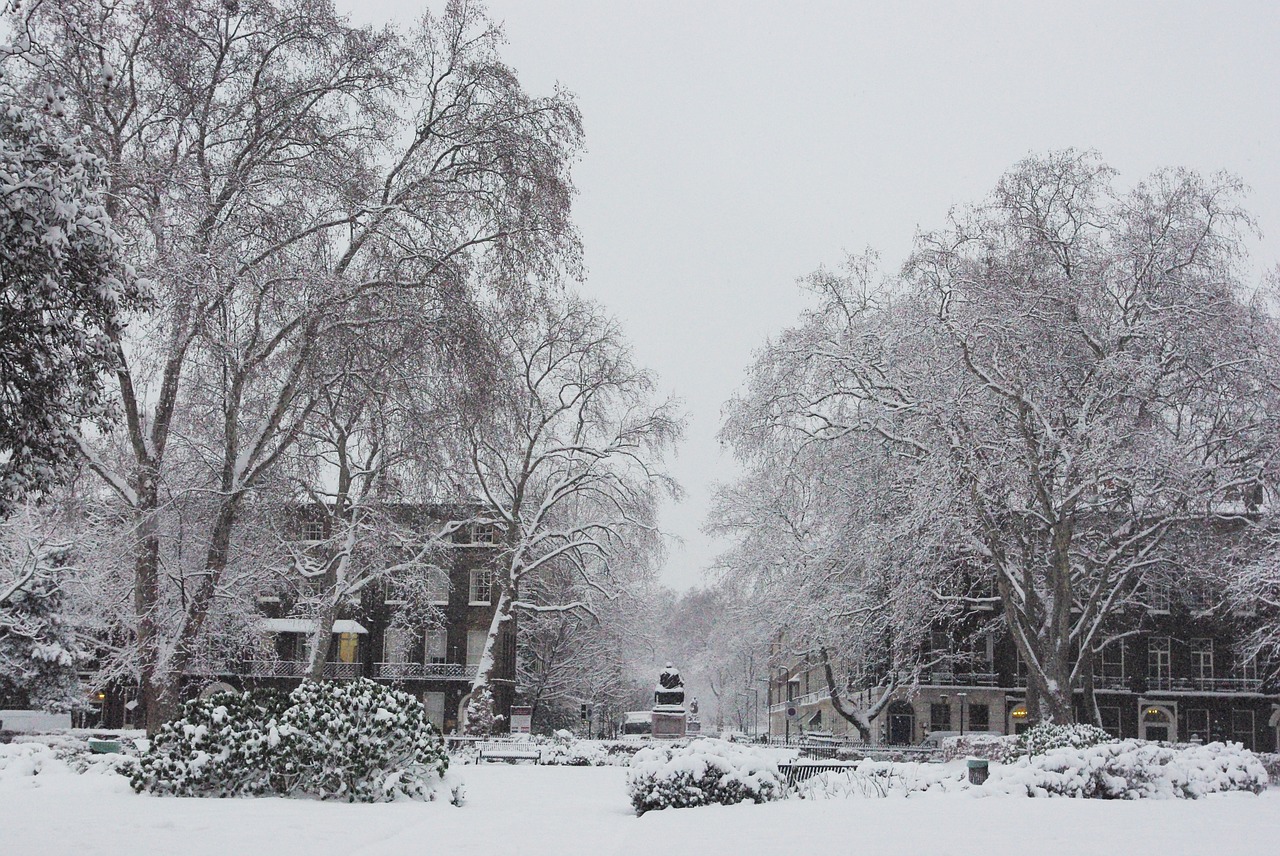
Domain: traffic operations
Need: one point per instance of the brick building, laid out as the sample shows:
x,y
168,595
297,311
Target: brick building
x,y
433,658
1175,677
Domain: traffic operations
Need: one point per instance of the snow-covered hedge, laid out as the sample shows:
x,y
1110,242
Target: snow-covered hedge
x,y
1045,736
589,753
1128,769
991,747
707,771
1136,769
358,741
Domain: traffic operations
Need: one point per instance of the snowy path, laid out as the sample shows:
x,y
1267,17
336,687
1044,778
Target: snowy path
x,y
540,811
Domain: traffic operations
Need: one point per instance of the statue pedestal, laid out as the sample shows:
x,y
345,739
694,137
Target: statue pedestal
x,y
670,719
670,722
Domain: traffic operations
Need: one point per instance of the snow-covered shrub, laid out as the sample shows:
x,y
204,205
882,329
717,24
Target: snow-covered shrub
x,y
1271,761
991,747
589,753
1044,736
707,771
358,741
1134,769
221,746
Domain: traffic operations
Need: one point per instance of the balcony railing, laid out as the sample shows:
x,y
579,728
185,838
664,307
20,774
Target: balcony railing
x,y
292,669
1205,685
960,679
421,672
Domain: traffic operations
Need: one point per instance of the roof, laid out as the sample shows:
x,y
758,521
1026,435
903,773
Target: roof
x,y
307,625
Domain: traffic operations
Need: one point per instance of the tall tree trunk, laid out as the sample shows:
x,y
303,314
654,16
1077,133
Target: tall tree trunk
x,y
167,681
488,660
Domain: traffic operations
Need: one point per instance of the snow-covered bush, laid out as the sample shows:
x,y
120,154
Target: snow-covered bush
x,y
589,753
221,746
1044,736
991,747
1271,761
705,772
1135,769
358,741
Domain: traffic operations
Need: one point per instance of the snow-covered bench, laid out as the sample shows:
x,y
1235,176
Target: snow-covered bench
x,y
509,752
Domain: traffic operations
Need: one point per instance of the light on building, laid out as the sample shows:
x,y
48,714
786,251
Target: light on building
x,y
1019,713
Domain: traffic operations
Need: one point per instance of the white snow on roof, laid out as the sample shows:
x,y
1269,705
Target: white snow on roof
x,y
306,625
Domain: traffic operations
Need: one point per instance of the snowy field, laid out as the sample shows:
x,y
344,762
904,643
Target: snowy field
x,y
533,811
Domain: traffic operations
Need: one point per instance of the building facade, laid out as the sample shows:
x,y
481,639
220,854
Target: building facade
x,y
1175,677
432,655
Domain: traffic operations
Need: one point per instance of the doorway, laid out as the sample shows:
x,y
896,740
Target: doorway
x,y
1157,723
902,723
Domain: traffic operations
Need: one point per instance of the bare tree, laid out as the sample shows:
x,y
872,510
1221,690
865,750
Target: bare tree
x,y
1063,386
569,468
270,164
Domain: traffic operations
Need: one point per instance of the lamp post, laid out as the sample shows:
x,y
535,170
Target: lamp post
x,y
962,697
755,709
768,722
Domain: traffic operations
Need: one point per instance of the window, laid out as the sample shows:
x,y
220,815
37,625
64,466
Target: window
x,y
1108,665
939,717
938,641
1158,660
435,646
979,717
1198,724
1159,597
1202,659
1242,727
1110,717
437,585
475,645
481,586
313,530
484,533
434,704
1248,669
395,645
1198,597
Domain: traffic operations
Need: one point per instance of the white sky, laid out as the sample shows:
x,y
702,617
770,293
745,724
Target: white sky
x,y
734,147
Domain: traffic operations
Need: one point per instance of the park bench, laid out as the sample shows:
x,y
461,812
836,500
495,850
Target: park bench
x,y
509,752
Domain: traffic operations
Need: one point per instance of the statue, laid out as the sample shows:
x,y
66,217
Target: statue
x,y
670,720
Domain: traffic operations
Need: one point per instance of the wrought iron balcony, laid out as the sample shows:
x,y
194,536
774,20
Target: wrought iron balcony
x,y
1205,685
960,679
424,672
292,669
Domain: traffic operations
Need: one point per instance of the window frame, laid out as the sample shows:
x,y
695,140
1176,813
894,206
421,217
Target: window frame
x,y
480,579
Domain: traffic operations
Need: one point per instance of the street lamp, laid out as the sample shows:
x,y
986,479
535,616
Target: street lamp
x,y
962,697
755,710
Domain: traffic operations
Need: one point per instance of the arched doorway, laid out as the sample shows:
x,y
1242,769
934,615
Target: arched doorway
x,y
1157,722
902,723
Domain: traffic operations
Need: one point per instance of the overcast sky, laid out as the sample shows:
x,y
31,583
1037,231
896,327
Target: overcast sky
x,y
734,147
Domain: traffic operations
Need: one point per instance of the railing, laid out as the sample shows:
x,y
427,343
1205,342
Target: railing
x,y
421,672
1220,685
961,679
293,669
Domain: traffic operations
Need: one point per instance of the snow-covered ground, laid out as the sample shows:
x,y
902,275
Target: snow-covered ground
x,y
532,811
